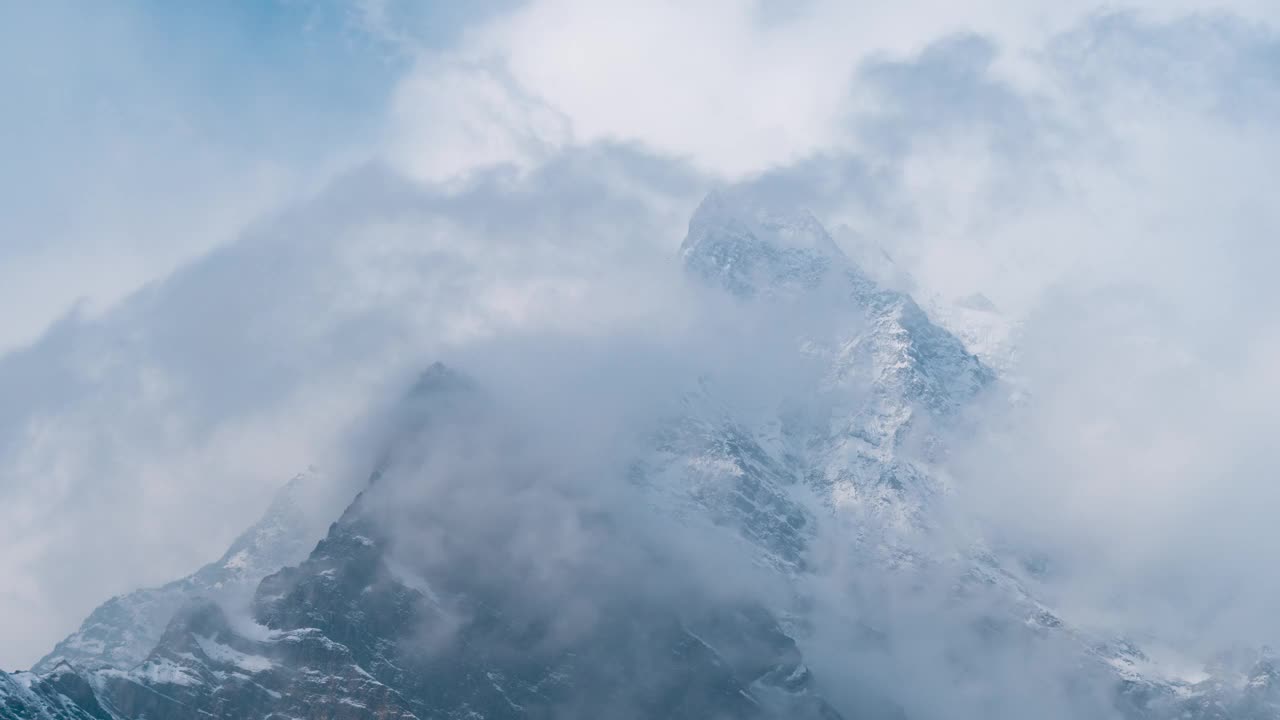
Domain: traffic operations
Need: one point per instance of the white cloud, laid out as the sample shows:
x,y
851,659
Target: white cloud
x,y
138,141
1102,177
735,87
562,146
449,119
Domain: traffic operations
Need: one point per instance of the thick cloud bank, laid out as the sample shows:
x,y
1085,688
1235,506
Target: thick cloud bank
x,y
1082,196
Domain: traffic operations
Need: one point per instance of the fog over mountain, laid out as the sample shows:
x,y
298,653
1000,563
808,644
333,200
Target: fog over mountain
x,y
560,359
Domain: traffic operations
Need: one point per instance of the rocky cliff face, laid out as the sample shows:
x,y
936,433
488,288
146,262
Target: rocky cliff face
x,y
361,629
60,693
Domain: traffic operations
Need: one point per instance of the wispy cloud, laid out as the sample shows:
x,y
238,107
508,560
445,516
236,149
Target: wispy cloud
x,y
528,171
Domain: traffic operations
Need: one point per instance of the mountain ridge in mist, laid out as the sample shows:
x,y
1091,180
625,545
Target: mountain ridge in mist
x,y
493,566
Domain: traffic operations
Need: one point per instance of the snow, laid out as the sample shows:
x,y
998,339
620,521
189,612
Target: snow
x,y
164,672
735,214
239,561
219,652
121,632
891,368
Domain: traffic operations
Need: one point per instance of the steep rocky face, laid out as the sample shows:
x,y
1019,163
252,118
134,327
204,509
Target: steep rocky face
x,y
202,667
1244,685
61,693
860,440
121,632
363,628
460,647
462,635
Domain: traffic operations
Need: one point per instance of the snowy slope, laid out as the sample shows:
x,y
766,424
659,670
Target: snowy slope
x,y
860,437
122,631
61,693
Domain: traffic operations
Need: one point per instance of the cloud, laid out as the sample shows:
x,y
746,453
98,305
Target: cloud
x,y
1119,214
1102,177
136,142
739,87
1112,208
167,421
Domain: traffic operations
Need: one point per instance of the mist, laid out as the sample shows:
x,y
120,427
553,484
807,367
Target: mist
x,y
1080,195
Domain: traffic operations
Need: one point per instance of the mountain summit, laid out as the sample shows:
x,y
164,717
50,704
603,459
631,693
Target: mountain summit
x,y
753,249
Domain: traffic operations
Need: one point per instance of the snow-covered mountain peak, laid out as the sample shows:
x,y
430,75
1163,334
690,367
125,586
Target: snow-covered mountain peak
x,y
784,228
874,335
756,249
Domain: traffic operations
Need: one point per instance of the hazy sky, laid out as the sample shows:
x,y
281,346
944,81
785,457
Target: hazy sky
x,y
226,231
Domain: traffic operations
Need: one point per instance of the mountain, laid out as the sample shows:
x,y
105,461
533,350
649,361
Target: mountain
x,y
123,630
860,438
60,693
855,465
762,552
365,627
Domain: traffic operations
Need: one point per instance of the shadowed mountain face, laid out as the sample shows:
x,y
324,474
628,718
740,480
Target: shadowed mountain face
x,y
363,628
61,693
494,568
369,626
444,609
464,646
